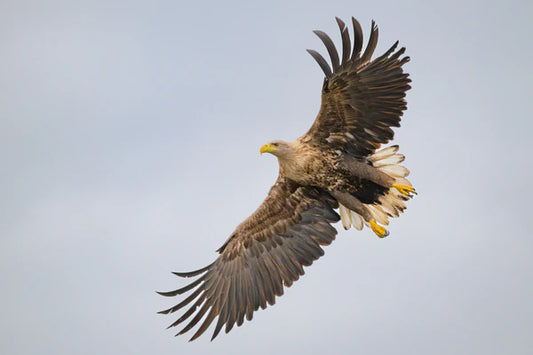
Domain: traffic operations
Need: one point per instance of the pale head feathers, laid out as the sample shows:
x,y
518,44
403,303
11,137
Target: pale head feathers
x,y
279,148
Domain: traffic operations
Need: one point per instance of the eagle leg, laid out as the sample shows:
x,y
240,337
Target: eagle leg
x,y
353,203
366,171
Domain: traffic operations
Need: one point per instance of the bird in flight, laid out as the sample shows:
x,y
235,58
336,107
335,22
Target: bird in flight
x,y
337,164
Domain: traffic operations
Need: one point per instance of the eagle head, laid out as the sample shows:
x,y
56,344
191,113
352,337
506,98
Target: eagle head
x,y
277,147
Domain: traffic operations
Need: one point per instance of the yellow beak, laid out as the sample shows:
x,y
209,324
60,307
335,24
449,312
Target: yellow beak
x,y
267,148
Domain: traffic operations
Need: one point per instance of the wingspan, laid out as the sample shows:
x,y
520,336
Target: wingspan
x,y
266,252
361,98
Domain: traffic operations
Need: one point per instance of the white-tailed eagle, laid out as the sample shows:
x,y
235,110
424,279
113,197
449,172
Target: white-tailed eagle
x,y
335,165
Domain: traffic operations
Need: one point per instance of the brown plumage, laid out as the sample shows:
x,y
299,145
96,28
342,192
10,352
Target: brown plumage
x,y
361,99
334,165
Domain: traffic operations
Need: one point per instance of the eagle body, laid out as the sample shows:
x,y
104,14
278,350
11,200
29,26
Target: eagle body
x,y
336,171
306,164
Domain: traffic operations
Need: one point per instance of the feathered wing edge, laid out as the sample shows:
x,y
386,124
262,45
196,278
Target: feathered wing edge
x,y
261,256
361,98
355,58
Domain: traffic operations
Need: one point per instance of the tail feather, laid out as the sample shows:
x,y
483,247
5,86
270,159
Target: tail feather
x,y
391,160
403,181
357,220
392,202
345,216
396,171
384,153
377,214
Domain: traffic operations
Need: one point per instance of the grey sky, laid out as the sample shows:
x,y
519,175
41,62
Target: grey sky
x,y
129,137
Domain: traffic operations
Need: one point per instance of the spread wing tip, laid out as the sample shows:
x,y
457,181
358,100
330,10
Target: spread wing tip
x,y
241,281
356,58
192,273
321,62
330,46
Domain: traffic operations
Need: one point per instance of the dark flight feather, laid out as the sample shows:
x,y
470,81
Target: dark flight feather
x,y
243,279
334,56
346,45
321,61
362,99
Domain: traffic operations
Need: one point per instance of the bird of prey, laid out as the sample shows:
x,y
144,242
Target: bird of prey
x,y
337,164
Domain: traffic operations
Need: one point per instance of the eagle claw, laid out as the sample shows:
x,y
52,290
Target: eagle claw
x,y
379,230
405,189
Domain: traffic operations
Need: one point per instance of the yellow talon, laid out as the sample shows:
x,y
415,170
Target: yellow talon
x,y
379,230
404,189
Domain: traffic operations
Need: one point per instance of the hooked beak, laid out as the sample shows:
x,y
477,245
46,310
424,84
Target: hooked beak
x,y
267,148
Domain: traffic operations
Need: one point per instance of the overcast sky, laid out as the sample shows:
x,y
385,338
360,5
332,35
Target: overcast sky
x,y
129,138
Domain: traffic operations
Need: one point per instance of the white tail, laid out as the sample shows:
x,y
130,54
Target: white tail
x,y
392,203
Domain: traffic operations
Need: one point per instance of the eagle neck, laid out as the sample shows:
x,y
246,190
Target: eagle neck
x,y
293,164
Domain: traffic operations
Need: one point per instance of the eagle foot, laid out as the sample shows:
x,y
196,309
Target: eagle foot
x,y
405,189
379,230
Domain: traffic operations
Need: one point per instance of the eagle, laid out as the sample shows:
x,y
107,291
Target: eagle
x,y
336,165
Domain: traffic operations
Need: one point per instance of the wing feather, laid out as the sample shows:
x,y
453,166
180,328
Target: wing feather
x,y
362,98
372,43
358,39
265,253
321,61
331,49
346,45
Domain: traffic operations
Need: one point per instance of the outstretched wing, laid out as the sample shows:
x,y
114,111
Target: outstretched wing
x,y
361,98
266,251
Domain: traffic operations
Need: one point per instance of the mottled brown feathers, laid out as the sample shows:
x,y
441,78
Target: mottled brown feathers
x,y
266,252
